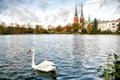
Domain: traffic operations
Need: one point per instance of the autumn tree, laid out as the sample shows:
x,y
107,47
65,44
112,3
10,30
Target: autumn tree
x,y
42,29
59,29
68,29
76,27
89,28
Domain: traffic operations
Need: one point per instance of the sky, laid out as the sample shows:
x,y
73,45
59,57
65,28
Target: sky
x,y
56,12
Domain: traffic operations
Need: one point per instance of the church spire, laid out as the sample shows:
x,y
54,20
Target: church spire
x,y
89,18
82,16
76,14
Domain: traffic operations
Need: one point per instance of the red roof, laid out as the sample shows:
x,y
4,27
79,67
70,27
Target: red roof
x,y
119,19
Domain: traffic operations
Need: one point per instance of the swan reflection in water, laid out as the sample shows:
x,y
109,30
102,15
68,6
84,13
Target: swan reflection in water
x,y
41,75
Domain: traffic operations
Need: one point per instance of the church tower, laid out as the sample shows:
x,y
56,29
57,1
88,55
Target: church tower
x,y
82,17
76,15
89,18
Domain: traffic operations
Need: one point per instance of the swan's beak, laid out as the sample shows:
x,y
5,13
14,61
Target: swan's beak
x,y
28,51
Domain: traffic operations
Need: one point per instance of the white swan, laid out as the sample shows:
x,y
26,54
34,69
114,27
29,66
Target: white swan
x,y
45,66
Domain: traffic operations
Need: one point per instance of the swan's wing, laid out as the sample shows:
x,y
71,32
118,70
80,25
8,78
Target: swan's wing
x,y
48,68
46,63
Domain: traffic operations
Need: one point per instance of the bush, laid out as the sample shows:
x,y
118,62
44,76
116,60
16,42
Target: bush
x,y
112,69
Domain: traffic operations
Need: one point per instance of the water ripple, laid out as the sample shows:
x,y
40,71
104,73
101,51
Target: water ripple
x,y
77,56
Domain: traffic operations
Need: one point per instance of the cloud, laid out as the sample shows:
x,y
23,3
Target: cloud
x,y
22,10
102,3
6,4
52,12
43,4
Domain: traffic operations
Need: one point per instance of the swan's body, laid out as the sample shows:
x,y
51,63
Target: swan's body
x,y
45,66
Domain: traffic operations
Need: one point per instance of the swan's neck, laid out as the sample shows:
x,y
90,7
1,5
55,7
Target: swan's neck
x,y
33,62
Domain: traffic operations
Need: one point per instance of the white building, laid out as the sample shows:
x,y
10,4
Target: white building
x,y
108,26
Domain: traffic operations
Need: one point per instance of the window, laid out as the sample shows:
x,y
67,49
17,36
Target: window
x,y
113,23
113,26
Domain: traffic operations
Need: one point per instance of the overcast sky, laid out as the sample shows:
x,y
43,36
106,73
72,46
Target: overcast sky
x,y
56,12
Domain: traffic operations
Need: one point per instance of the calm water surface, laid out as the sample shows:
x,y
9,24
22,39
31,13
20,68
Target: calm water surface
x,y
77,56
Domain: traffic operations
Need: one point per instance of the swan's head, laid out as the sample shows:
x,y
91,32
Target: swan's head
x,y
31,50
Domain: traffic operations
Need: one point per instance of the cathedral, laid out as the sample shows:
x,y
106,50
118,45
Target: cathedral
x,y
80,20
102,25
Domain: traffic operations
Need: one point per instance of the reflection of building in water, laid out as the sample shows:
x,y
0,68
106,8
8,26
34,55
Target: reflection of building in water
x,y
78,53
78,47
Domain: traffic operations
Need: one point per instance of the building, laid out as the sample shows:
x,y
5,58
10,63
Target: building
x,y
108,26
82,17
76,15
118,20
102,25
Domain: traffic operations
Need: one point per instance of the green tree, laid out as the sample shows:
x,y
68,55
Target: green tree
x,y
29,30
2,29
37,29
84,31
23,30
95,25
10,30
51,29
17,29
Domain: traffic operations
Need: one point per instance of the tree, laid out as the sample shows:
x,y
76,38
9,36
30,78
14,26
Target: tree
x,y
2,29
29,30
76,27
51,29
10,30
95,25
68,29
84,31
37,29
23,30
17,29
89,28
42,29
59,29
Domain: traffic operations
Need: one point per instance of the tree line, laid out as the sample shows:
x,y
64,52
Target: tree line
x,y
92,28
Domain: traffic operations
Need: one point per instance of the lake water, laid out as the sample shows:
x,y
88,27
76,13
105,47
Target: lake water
x,y
77,56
